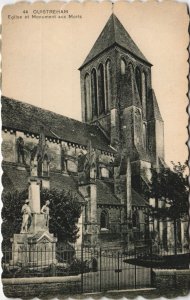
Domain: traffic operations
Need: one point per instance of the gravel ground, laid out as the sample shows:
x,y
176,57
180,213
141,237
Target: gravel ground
x,y
129,294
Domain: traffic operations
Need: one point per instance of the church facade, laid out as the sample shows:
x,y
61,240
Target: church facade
x,y
106,159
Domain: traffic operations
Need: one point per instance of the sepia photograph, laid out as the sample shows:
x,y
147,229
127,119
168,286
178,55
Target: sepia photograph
x,y
94,150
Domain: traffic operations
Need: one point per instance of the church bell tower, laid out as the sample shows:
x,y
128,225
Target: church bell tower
x,y
117,96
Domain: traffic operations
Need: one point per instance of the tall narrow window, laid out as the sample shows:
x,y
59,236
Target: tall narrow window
x,y
144,136
94,93
125,84
101,90
104,219
88,104
144,93
135,219
138,81
108,85
123,67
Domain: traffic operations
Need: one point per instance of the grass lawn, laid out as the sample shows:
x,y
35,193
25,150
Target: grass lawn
x,y
179,261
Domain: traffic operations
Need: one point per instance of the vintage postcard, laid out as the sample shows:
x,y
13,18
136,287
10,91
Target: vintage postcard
x,y
95,190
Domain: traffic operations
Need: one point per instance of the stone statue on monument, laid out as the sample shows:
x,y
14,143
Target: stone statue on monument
x,y
45,211
35,233
26,217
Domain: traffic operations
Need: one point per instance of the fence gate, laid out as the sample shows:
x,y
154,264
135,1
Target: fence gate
x,y
109,270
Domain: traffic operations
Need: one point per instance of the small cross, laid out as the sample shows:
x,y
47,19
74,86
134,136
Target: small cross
x,y
112,8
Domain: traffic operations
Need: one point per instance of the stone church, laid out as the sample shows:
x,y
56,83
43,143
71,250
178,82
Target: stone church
x,y
106,158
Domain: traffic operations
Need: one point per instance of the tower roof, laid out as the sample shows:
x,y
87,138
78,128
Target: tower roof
x,y
114,34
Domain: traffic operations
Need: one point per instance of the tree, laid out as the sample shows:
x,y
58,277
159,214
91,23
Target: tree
x,y
65,211
170,187
11,214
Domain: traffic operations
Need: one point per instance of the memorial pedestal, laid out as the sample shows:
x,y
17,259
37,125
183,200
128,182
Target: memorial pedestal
x,y
36,248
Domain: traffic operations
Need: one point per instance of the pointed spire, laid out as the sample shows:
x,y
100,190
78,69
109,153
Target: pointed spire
x,y
114,34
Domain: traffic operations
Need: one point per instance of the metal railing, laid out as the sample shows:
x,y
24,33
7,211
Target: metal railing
x,y
43,261
99,268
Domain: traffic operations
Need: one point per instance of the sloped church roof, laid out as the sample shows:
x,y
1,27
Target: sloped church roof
x,y
22,116
114,34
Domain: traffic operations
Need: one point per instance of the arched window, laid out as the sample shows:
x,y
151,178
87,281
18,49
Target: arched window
x,y
129,74
101,90
135,219
104,222
123,67
144,136
88,104
108,85
138,81
144,93
125,85
94,93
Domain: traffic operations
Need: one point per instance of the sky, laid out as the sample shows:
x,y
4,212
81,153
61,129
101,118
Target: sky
x,y
40,58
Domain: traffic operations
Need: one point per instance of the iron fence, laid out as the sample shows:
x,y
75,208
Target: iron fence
x,y
110,270
99,269
44,261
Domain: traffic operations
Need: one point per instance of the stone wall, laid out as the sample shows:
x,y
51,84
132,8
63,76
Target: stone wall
x,y
55,152
168,279
8,146
38,287
155,133
63,154
159,139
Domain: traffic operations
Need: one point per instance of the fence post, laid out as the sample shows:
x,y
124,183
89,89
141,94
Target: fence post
x,y
151,272
135,269
118,270
82,268
175,237
100,269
